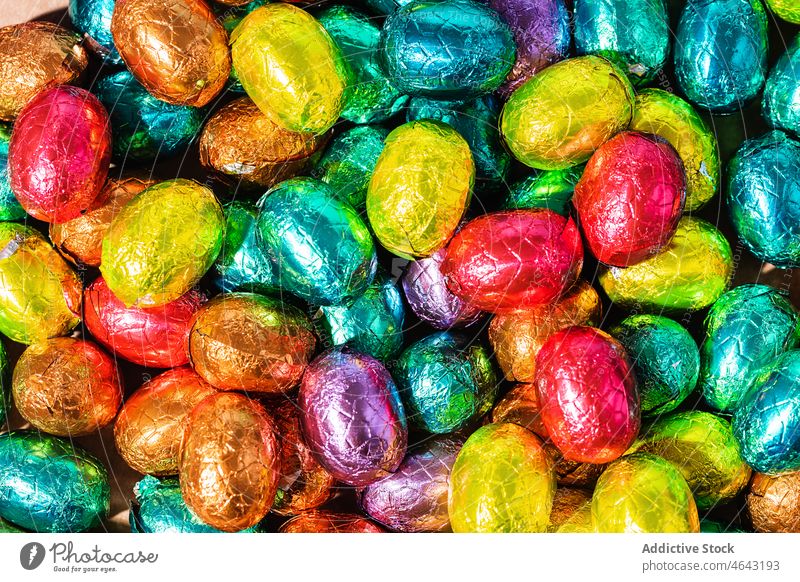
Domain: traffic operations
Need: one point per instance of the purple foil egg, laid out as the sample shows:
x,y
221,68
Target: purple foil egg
x,y
431,300
352,417
414,498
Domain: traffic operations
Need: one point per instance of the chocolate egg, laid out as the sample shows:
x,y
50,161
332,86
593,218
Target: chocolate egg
x,y
352,417
230,17
691,272
746,329
781,101
773,503
150,425
521,406
241,264
49,485
329,522
721,53
59,153
509,261
785,9
630,198
452,48
290,67
230,462
162,242
502,482
572,511
665,359
559,117
587,391
767,421
667,115
420,189
67,387
552,189
244,341
10,208
321,249
33,56
176,48
642,493
93,19
41,294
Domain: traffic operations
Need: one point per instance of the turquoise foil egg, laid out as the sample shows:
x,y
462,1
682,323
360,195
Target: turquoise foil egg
x,y
764,197
721,52
50,485
781,102
241,264
746,329
93,19
633,34
322,251
10,208
551,189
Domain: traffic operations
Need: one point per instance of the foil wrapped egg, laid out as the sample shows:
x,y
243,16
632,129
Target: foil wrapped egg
x,y
643,493
177,49
329,522
572,511
50,485
588,395
746,329
59,153
691,272
665,358
420,188
320,247
514,260
502,482
773,503
785,9
572,473
721,53
230,17
92,18
5,384
767,421
151,423
67,387
241,264
670,117
291,68
352,417
34,56
10,208
162,242
41,293
242,144
244,341
763,197
552,189
630,198
452,48
521,406
557,118
780,104
229,462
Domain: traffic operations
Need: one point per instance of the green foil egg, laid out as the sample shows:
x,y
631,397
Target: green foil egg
x,y
788,10
552,189
10,208
781,101
51,485
746,329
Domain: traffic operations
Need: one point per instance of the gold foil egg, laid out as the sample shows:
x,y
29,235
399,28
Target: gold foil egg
x,y
773,502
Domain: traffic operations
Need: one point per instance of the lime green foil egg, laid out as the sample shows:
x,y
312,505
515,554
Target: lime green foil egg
x,y
788,10
502,482
552,189
162,242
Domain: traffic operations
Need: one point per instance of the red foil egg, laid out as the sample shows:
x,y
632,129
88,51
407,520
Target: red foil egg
x,y
329,522
588,395
509,261
630,198
59,153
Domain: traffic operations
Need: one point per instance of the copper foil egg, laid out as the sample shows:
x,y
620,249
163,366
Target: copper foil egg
x,y
329,522
774,502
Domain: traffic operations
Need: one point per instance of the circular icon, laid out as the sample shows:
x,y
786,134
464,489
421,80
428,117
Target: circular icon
x,y
31,555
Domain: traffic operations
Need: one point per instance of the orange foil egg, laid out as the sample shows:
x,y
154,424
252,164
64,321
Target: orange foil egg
x,y
177,49
329,522
66,387
230,462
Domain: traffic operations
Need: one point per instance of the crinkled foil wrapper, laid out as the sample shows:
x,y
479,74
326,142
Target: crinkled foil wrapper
x,y
773,503
571,512
781,102
329,522
92,18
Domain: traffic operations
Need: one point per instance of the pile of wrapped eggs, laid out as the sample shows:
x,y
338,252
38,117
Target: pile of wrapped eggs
x,y
391,265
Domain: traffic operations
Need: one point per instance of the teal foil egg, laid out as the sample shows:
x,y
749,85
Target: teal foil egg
x,y
50,485
93,19
372,325
781,102
633,34
552,189
371,97
721,52
10,208
764,197
321,249
445,382
241,264
746,329
767,422
145,128
665,359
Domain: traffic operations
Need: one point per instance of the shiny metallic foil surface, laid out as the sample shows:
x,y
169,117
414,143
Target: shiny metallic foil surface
x,y
521,406
50,485
781,101
10,208
33,56
551,189
67,387
329,522
773,503
92,18
230,462
571,511
788,10
151,423
5,384
175,48
572,473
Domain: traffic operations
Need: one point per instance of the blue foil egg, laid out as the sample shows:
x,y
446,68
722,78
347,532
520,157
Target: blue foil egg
x,y
93,19
781,102
764,197
10,208
721,52
551,189
447,48
767,422
241,264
